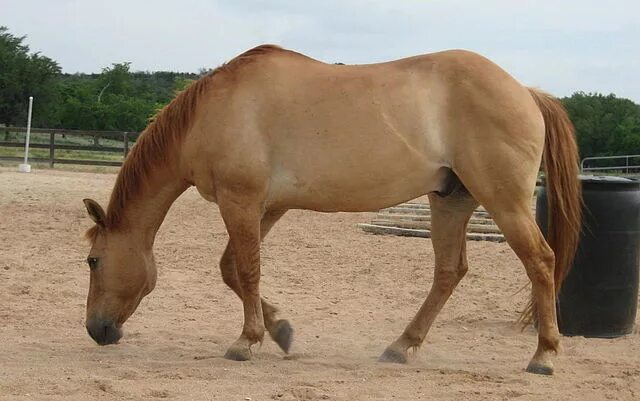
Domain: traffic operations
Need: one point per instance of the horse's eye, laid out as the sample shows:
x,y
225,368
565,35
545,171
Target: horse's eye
x,y
92,262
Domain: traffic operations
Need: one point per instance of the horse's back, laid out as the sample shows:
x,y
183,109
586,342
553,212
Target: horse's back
x,y
357,137
353,137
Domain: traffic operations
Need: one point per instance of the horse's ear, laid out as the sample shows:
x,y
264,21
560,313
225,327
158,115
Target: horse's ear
x,y
95,211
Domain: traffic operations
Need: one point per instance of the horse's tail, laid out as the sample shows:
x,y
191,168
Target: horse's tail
x,y
564,191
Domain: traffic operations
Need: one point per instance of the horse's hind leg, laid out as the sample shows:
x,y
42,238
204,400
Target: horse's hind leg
x,y
279,330
526,240
510,207
449,218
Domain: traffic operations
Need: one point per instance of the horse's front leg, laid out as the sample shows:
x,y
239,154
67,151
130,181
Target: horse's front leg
x,y
279,329
242,220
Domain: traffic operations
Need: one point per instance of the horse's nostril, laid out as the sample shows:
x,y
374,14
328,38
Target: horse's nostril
x,y
103,332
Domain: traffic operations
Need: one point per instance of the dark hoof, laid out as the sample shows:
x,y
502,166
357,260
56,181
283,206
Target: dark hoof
x,y
238,354
539,369
283,335
392,356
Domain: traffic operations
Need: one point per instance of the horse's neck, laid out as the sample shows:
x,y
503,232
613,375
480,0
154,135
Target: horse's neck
x,y
146,212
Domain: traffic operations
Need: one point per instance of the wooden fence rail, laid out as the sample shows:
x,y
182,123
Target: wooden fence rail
x,y
127,139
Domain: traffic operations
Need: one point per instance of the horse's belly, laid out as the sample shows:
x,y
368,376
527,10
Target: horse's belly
x,y
370,186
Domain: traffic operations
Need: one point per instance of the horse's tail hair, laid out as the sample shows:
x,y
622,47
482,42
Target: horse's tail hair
x,y
564,191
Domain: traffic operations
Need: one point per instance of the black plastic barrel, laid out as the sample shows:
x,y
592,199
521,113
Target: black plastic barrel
x,y
599,297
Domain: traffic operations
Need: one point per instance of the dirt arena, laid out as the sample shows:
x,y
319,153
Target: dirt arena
x,y
347,294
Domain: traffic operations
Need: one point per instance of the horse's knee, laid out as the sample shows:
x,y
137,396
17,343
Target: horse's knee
x,y
449,277
228,269
540,268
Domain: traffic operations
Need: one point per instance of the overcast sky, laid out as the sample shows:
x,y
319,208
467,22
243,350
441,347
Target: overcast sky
x,y
561,46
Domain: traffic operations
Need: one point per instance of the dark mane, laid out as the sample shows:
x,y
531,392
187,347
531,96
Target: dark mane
x,y
164,135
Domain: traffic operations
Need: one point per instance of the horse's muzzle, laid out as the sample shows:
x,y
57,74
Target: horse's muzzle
x,y
103,332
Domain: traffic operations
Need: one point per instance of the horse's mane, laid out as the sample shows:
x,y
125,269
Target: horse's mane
x,y
163,135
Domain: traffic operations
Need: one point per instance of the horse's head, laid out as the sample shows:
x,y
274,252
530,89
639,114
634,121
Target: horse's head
x,y
122,272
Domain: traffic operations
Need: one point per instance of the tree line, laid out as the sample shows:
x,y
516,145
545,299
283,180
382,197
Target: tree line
x,y
115,99
122,100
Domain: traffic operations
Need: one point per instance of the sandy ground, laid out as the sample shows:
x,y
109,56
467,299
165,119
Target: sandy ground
x,y
348,294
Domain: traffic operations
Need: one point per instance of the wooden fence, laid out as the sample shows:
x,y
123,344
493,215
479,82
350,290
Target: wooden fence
x,y
37,142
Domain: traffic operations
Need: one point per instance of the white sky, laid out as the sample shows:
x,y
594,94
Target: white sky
x,y
559,45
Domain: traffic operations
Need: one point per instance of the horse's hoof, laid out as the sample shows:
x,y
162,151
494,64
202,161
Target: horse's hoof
x,y
238,354
392,356
283,335
539,369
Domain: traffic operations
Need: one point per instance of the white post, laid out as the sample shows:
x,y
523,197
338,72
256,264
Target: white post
x,y
25,167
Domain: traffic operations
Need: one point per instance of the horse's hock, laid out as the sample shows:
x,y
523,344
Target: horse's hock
x,y
413,219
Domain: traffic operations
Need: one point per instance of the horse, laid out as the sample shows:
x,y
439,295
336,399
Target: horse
x,y
273,130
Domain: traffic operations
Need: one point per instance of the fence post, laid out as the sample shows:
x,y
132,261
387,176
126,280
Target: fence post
x,y
627,164
51,148
126,144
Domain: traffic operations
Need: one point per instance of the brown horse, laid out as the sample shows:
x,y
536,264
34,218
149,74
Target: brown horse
x,y
274,130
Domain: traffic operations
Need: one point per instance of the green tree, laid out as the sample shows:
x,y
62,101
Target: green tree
x,y
181,83
23,75
605,124
115,79
112,100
